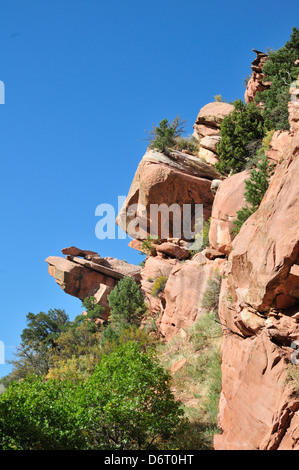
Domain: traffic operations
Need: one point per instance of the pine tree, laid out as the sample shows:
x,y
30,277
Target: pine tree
x,y
239,131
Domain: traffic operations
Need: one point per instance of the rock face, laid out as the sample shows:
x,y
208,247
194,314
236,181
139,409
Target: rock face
x,y
82,277
256,82
160,179
229,199
259,307
210,118
155,267
183,294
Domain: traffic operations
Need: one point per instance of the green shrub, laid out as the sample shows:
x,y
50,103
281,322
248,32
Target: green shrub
x,y
159,285
126,301
126,403
241,134
165,135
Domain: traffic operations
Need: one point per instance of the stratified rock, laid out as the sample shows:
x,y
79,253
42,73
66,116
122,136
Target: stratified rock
x,y
210,143
208,156
229,199
172,250
210,118
83,278
176,178
279,146
256,82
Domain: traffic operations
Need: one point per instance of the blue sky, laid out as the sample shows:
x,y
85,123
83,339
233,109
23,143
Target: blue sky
x,y
83,80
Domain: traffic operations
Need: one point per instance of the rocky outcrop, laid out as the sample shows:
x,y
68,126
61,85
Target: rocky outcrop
x,y
210,118
229,199
154,268
256,82
207,129
259,311
183,293
84,273
176,178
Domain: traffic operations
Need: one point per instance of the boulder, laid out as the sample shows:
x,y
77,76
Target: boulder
x,y
172,250
210,143
229,199
176,178
293,107
210,118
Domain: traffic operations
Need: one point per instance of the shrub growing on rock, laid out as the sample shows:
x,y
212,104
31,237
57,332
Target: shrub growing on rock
x,y
242,132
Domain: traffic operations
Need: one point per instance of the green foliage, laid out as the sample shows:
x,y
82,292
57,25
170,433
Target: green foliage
x,y
125,404
281,71
159,285
210,298
44,327
94,312
127,301
39,415
165,135
240,131
198,381
256,186
129,400
32,355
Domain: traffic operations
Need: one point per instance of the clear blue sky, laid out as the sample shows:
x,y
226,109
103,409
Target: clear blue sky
x,y
83,80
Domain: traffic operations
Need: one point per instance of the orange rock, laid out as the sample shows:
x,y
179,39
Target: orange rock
x,y
229,199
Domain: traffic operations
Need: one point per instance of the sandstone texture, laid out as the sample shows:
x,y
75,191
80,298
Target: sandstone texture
x,y
210,118
259,310
183,294
256,82
229,199
207,129
176,178
82,277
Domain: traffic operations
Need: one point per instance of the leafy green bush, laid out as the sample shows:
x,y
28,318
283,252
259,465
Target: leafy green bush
x,y
125,404
159,285
281,70
241,134
94,312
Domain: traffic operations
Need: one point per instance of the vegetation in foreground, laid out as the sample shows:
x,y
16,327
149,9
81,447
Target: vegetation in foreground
x,y
90,384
